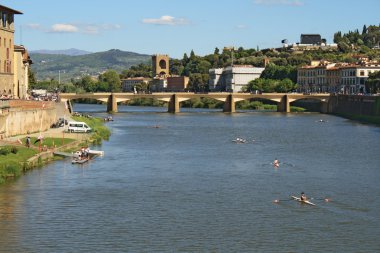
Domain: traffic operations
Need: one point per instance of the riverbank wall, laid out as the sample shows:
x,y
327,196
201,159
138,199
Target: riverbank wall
x,y
18,117
354,105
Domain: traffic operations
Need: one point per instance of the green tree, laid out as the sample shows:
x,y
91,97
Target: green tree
x,y
192,55
275,72
364,31
32,78
372,84
344,47
112,79
198,82
285,85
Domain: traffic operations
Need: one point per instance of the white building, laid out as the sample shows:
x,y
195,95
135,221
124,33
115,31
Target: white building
x,y
233,78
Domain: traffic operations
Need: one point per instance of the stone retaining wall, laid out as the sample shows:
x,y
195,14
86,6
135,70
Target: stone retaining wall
x,y
28,116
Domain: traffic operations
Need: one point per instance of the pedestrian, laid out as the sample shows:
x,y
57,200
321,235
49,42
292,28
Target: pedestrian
x,y
27,141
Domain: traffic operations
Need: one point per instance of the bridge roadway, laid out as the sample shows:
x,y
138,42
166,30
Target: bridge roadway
x,y
174,99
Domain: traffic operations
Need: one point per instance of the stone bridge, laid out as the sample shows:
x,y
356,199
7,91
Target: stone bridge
x,y
283,100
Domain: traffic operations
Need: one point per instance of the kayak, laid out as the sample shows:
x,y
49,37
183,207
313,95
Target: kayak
x,y
80,161
303,201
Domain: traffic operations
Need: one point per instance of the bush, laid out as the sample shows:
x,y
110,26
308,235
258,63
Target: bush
x,y
14,150
5,151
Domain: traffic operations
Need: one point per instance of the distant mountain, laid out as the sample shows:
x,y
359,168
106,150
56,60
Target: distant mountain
x,y
71,52
66,67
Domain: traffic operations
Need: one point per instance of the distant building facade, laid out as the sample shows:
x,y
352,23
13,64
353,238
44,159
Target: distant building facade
x,y
159,84
177,83
311,39
7,85
336,77
233,78
129,84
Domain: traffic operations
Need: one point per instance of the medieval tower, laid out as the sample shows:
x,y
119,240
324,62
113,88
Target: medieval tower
x,y
160,65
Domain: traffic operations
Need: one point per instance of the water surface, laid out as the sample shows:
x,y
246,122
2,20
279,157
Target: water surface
x,y
186,187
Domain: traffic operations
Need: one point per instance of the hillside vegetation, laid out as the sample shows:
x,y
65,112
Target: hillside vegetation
x,y
280,74
50,66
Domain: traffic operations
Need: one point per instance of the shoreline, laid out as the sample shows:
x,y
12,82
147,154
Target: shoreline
x,y
19,159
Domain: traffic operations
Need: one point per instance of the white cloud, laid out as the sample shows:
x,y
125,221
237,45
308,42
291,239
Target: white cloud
x,y
165,20
280,2
64,28
92,29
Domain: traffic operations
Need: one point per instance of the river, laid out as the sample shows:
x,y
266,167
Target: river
x,y
184,186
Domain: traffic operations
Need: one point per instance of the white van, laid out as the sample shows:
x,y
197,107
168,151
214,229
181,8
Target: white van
x,y
78,127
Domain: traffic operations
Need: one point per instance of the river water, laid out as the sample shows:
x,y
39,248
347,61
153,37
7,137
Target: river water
x,y
186,187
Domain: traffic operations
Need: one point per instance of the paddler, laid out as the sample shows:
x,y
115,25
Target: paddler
x,y
303,196
276,163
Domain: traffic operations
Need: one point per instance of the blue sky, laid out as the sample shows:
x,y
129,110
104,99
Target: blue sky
x,y
176,27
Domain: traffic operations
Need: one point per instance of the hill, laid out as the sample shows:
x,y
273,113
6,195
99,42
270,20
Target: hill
x,y
53,66
71,51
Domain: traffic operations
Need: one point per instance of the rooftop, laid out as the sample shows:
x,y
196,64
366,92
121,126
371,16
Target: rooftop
x,y
2,7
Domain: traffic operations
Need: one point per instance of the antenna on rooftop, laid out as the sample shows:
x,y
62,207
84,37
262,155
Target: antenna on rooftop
x,y
20,34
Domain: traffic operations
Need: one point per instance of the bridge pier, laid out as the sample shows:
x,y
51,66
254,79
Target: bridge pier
x,y
112,103
173,106
283,105
69,106
324,107
229,105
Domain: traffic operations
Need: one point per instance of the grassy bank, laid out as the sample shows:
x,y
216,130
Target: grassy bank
x,y
14,159
100,131
361,118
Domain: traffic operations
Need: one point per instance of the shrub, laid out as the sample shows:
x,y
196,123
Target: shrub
x,y
5,151
14,150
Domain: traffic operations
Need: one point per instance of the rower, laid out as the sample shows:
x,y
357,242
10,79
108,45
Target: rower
x,y
303,196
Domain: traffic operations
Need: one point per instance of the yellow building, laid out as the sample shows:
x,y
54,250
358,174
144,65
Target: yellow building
x,y
7,51
21,65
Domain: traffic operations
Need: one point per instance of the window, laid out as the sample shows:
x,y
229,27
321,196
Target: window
x,y
361,72
4,19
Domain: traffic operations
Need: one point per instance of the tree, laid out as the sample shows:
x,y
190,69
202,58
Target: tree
x,y
185,59
275,72
337,37
192,55
198,82
372,84
285,85
32,78
364,31
112,79
344,47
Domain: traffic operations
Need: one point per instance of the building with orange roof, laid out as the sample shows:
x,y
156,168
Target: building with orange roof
x,y
336,77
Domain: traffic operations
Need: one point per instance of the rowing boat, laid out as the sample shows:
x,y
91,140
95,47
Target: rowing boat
x,y
303,201
79,160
